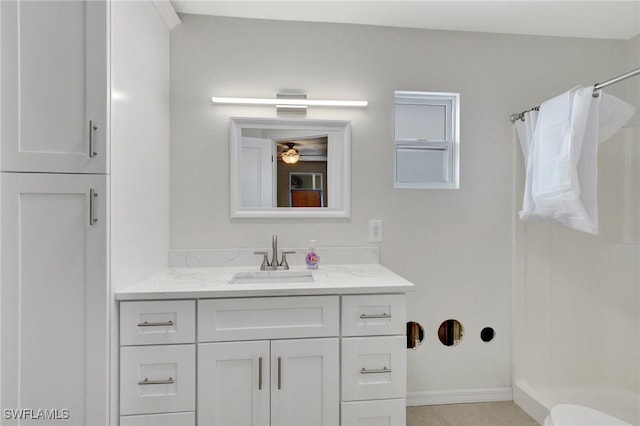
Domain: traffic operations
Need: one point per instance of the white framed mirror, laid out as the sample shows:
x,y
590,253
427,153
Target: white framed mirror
x,y
290,168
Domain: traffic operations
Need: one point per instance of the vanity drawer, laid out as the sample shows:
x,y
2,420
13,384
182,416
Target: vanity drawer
x,y
171,419
387,412
267,318
157,379
368,315
156,323
374,368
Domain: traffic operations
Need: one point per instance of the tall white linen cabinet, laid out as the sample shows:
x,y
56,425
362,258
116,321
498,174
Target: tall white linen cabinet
x,y
84,193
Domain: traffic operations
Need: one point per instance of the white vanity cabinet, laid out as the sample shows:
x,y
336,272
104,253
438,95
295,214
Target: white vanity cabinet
x,y
335,359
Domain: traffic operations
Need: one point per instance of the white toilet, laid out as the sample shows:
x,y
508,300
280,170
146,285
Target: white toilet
x,y
577,415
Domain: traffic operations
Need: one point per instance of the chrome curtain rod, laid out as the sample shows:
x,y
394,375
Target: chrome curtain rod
x,y
596,87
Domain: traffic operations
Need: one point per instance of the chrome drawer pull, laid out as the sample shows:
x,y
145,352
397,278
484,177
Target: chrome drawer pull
x,y
378,371
365,316
155,324
146,381
259,373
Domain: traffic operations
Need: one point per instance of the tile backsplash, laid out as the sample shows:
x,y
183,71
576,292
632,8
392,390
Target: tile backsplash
x,y
246,257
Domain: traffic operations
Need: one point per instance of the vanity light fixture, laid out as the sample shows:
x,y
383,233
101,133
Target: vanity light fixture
x,y
289,103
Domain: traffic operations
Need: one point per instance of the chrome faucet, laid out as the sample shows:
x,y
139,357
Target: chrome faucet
x,y
274,264
274,250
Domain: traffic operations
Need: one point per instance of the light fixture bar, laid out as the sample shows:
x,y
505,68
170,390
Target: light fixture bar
x,y
288,102
299,110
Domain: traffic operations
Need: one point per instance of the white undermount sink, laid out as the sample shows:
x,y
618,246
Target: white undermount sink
x,y
272,277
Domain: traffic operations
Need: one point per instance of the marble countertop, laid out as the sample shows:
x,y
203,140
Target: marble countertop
x,y
213,282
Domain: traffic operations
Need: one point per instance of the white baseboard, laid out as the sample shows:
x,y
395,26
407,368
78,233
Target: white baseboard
x,y
524,396
461,396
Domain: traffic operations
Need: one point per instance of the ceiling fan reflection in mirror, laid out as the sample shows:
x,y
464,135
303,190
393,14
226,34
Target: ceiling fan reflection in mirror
x,y
291,155
302,150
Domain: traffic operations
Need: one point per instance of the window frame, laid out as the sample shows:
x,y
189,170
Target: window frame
x,y
451,142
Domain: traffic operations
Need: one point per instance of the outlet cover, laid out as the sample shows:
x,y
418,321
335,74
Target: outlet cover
x,y
375,231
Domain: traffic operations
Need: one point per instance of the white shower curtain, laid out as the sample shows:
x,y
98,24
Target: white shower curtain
x,y
560,148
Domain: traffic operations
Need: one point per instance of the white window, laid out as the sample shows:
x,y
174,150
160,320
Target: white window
x,y
426,138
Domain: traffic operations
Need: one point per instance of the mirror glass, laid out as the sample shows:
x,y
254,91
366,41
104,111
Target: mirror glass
x,y
283,168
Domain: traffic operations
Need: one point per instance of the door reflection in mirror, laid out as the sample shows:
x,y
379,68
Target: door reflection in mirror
x,y
303,183
257,173
280,170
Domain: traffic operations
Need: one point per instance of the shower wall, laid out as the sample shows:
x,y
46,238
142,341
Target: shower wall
x,y
577,296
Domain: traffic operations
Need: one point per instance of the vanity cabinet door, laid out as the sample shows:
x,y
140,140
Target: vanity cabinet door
x,y
233,383
54,86
305,382
55,338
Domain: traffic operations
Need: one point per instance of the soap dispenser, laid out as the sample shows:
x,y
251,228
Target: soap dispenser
x,y
312,259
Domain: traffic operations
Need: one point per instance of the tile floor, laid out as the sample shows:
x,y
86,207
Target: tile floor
x,y
482,414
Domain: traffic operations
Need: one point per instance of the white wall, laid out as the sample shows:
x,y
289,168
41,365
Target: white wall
x,y
455,245
577,296
139,141
139,151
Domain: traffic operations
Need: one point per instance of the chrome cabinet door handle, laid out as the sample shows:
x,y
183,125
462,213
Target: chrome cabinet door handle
x,y
146,381
155,324
279,373
92,208
92,129
375,371
365,316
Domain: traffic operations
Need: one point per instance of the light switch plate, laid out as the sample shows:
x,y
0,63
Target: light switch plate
x,y
375,230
